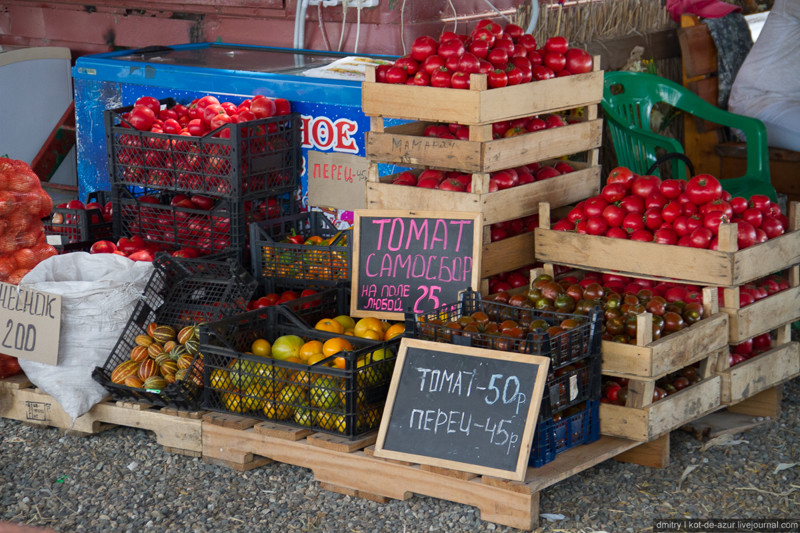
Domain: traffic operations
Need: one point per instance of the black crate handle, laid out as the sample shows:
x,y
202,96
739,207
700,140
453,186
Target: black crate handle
x,y
672,155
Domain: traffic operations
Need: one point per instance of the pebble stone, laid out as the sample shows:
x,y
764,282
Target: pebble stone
x,y
121,480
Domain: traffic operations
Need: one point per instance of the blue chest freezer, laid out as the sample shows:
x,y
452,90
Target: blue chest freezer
x,y
330,108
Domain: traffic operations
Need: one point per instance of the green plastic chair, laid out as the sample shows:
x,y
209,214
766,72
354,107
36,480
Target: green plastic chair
x,y
628,99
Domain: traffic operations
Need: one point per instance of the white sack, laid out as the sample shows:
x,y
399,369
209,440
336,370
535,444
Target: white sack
x,y
98,294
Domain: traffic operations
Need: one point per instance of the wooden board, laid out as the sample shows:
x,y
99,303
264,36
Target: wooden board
x,y
645,259
760,373
445,408
668,353
360,473
497,206
177,431
427,257
481,106
507,254
654,420
762,315
410,148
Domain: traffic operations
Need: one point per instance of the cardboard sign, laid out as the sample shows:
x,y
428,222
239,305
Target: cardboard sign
x,y
337,180
464,408
412,260
30,326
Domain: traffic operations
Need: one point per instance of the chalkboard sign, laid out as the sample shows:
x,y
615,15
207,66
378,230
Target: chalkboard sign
x,y
412,261
464,408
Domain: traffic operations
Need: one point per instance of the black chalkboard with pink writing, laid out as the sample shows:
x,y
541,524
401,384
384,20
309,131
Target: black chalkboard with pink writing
x,y
412,261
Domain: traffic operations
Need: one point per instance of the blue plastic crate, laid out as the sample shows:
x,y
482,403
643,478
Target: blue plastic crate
x,y
552,438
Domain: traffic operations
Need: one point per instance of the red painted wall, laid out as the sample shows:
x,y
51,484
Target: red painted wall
x,y
108,24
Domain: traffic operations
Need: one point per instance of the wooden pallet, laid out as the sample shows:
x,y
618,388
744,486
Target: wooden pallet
x,y
177,431
350,467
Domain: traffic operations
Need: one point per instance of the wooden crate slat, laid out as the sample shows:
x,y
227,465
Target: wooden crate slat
x,y
654,420
668,353
507,254
480,156
760,373
481,106
699,266
498,206
763,315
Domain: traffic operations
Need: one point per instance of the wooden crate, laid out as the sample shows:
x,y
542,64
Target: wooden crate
x,y
652,420
764,315
351,468
725,267
405,145
177,431
497,206
480,105
654,359
764,371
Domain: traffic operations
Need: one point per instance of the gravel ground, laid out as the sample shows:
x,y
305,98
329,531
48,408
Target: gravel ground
x,y
120,480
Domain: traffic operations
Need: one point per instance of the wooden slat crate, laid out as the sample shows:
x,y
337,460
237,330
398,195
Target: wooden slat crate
x,y
764,315
497,206
177,431
641,419
351,468
480,105
726,267
406,146
764,371
653,359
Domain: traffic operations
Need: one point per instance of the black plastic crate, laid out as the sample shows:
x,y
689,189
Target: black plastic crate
x,y
235,161
83,226
575,356
222,229
557,435
345,400
181,292
563,348
280,263
327,303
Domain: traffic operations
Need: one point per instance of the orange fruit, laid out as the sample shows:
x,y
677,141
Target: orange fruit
x,y
335,345
310,349
372,335
394,330
329,324
314,359
261,347
368,323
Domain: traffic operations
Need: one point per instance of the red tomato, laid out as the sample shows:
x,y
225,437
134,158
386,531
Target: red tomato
x,y
557,44
700,237
578,61
459,80
632,204
441,77
514,74
541,72
423,47
760,201
596,225
613,192
753,216
703,188
746,234
614,215
653,219
594,206
497,78
262,107
151,102
141,117
643,235
633,222
451,47
672,188
555,61
644,186
410,65
773,227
